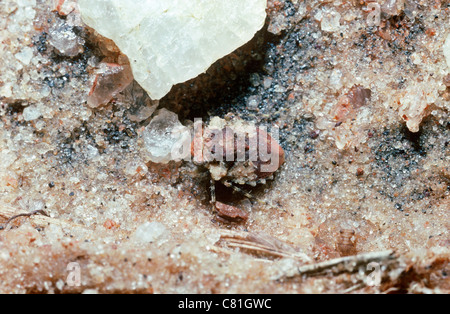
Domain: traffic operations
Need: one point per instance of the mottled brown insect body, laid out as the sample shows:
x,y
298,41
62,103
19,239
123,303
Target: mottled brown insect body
x,y
236,152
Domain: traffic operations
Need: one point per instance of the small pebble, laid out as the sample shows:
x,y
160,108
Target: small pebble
x,y
359,172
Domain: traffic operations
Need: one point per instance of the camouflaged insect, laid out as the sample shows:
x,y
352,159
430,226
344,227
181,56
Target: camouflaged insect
x,y
235,152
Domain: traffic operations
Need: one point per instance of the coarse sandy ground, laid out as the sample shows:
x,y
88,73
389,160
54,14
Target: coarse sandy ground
x,y
363,113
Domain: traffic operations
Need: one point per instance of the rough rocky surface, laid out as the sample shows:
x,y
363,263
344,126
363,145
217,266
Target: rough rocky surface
x,y
363,113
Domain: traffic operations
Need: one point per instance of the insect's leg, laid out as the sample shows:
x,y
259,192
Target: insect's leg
x,y
36,212
228,184
212,187
241,191
261,181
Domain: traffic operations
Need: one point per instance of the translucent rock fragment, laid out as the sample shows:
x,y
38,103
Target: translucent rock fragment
x,y
110,80
393,7
411,9
142,113
25,55
91,152
446,49
64,7
31,113
170,42
253,102
278,24
267,82
343,138
336,79
331,21
348,104
136,167
414,103
150,232
141,107
359,96
7,157
65,40
163,135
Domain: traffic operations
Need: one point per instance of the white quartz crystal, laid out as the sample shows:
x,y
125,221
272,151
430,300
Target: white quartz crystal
x,y
172,41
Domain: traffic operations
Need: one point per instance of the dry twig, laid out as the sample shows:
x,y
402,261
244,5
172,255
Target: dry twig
x,y
345,264
260,244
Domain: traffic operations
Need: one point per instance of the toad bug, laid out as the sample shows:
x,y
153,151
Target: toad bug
x,y
235,152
